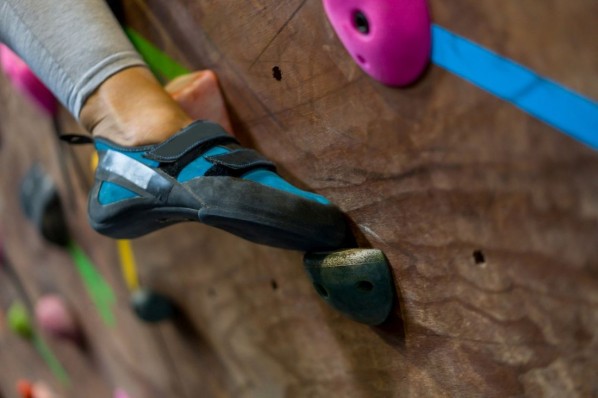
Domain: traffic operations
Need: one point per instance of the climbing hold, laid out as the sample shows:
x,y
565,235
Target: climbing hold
x,y
25,389
357,282
199,94
24,80
42,205
42,390
55,317
120,393
389,39
19,321
151,306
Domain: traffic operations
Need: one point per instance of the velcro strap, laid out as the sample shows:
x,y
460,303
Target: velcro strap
x,y
196,134
241,159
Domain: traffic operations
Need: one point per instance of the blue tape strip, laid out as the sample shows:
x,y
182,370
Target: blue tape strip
x,y
544,99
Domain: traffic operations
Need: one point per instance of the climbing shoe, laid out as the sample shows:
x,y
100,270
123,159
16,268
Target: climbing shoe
x,y
202,174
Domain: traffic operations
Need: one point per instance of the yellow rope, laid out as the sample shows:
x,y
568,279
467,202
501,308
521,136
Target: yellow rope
x,y
127,264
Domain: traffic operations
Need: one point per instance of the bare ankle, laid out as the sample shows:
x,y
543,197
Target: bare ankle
x,y
151,125
132,109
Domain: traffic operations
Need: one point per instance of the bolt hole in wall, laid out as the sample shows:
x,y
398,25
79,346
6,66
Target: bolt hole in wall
x,y
277,73
478,257
274,284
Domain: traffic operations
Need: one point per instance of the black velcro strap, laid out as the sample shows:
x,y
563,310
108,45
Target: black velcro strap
x,y
76,139
197,134
238,162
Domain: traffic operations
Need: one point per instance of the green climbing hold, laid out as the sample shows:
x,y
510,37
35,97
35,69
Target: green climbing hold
x,y
357,282
19,320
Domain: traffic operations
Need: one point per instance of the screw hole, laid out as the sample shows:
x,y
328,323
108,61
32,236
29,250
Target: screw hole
x,y
361,22
478,257
273,284
364,286
361,59
320,289
277,73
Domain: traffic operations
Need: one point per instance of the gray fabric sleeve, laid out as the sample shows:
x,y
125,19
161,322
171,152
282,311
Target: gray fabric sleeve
x,y
71,45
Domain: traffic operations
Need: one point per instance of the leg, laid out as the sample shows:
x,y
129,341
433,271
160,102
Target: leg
x,y
155,167
103,81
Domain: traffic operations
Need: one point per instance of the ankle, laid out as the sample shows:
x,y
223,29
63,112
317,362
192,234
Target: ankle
x,y
150,125
132,109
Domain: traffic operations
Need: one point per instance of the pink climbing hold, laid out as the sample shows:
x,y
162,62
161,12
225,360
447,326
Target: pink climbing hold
x,y
120,393
55,318
389,39
26,82
41,389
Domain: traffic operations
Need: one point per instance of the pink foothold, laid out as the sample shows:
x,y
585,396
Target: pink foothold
x,y
25,80
389,39
120,393
42,390
55,318
199,95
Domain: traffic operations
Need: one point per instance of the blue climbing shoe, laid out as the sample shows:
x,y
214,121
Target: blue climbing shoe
x,y
203,174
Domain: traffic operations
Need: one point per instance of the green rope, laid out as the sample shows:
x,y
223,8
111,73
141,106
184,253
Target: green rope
x,y
51,360
99,290
161,65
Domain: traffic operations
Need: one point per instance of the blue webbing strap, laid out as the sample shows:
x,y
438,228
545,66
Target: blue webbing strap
x,y
542,98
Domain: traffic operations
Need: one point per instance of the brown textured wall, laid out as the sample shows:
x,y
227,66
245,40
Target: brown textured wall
x,y
429,174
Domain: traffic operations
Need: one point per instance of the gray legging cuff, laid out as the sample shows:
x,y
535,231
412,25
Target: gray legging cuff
x,y
89,81
71,45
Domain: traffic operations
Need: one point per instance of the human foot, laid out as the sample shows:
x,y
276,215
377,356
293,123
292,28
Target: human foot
x,y
148,178
131,108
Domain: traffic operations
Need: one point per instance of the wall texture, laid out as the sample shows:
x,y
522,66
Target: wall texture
x,y
489,219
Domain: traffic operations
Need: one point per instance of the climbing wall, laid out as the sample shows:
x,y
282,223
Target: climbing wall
x,y
488,217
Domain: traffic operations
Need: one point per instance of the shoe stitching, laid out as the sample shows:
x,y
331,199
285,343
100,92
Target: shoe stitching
x,y
258,161
122,148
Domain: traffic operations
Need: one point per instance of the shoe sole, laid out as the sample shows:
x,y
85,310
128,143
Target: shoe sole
x,y
260,225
